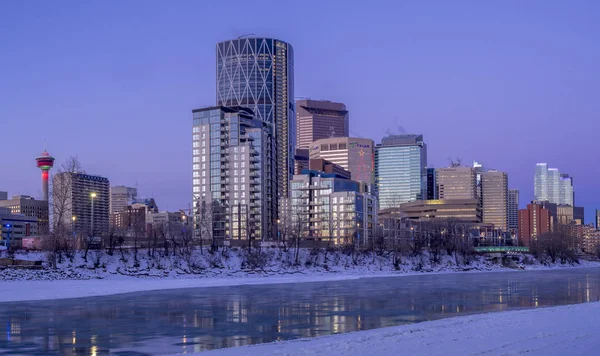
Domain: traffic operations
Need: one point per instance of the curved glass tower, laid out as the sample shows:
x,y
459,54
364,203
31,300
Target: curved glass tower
x,y
258,73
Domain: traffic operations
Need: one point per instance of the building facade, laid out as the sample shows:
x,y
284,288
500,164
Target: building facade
x,y
130,218
84,201
457,183
3,196
355,155
513,210
318,119
327,207
533,222
16,225
28,206
258,73
465,210
121,197
494,198
432,193
552,186
400,170
598,219
233,175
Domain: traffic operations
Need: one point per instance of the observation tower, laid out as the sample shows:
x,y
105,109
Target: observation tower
x,y
45,162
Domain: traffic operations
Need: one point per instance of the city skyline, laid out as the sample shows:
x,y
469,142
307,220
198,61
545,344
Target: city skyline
x,y
145,106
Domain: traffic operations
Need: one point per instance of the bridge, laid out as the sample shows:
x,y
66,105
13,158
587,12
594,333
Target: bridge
x,y
502,249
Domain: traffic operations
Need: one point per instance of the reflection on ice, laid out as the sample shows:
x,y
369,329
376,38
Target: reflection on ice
x,y
193,320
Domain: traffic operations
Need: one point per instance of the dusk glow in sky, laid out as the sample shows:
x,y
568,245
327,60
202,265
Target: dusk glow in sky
x,y
506,83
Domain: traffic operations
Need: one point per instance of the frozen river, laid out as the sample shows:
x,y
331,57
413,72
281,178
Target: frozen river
x,y
197,319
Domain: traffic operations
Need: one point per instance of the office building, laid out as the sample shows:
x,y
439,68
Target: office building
x,y
30,207
432,193
132,217
400,170
323,165
353,154
3,196
82,201
258,73
513,210
552,186
598,219
566,195
16,225
457,183
233,174
329,207
301,159
317,119
494,198
121,197
464,210
533,222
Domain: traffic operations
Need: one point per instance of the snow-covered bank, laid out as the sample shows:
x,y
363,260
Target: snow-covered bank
x,y
102,274
566,330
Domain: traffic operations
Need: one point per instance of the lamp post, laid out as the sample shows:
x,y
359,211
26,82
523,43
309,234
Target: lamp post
x,y
93,195
8,226
73,219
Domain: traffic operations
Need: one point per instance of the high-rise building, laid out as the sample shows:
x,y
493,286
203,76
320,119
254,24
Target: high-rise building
x,y
82,201
234,180
258,73
317,119
513,210
353,154
533,222
3,196
329,207
432,192
566,196
552,186
457,183
598,219
494,198
27,206
400,170
121,197
301,160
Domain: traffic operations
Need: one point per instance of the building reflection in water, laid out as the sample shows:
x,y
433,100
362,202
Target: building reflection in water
x,y
195,320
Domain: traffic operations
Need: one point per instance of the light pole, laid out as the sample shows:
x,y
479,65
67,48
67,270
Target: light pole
x,y
8,226
73,219
93,195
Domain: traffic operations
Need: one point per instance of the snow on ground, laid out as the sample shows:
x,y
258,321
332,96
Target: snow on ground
x,y
566,330
102,274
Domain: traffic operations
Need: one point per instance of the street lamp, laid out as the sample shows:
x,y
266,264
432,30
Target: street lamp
x,y
73,219
93,195
8,226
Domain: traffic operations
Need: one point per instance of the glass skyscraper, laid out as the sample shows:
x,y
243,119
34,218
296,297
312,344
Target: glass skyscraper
x,y
400,172
552,186
258,73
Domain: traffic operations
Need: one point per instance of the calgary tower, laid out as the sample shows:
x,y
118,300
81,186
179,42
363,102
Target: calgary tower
x,y
45,162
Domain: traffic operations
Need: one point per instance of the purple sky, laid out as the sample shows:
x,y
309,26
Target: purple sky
x,y
508,83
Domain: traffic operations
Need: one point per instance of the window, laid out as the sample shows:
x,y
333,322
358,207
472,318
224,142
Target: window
x,y
203,143
203,189
243,179
195,137
195,144
197,174
203,180
235,195
196,181
243,195
203,166
195,129
204,135
235,164
204,173
196,159
343,145
203,158
243,149
243,164
196,189
203,127
195,152
235,179
196,167
235,187
204,151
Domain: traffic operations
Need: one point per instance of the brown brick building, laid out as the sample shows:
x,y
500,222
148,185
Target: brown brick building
x,y
533,221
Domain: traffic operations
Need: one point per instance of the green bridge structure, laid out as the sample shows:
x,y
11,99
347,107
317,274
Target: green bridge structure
x,y
502,249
